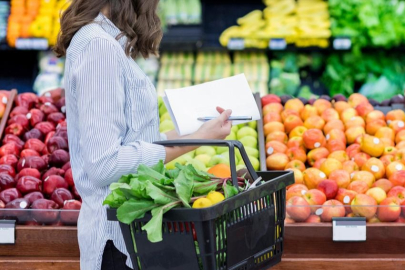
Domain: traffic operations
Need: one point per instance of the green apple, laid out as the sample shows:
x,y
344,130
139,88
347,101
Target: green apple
x,y
234,129
253,124
166,125
226,154
165,116
255,163
160,101
221,150
252,152
190,154
209,150
218,159
197,164
162,109
249,141
171,165
240,167
246,131
231,136
204,158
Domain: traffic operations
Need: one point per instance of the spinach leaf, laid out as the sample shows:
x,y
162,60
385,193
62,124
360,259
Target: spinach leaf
x,y
134,209
115,199
145,173
160,167
158,195
184,187
172,174
154,227
204,187
229,190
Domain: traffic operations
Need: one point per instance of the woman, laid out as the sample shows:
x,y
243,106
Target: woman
x,y
112,112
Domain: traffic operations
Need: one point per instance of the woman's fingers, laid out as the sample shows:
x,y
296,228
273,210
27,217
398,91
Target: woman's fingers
x,y
220,110
224,116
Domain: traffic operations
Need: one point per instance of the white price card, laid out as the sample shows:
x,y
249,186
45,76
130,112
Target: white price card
x,y
342,43
32,44
7,232
349,229
277,44
236,44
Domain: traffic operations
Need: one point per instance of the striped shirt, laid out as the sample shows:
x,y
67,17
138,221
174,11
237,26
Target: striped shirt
x,y
113,117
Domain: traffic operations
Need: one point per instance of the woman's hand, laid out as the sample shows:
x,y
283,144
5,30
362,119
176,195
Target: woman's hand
x,y
217,129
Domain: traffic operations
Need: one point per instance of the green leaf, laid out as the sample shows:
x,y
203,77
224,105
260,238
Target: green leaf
x,y
172,174
168,188
126,189
125,179
198,175
134,209
160,167
184,187
154,227
158,195
229,190
139,189
202,188
145,173
115,199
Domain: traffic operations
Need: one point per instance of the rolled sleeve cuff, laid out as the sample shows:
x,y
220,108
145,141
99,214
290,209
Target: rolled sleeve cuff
x,y
163,136
152,153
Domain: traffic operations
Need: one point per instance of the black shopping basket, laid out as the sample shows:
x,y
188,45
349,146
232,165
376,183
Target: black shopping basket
x,y
243,232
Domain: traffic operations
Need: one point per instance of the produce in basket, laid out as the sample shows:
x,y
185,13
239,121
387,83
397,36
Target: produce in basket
x,y
356,157
158,190
33,155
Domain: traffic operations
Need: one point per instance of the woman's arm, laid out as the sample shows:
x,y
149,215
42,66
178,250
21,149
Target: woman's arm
x,y
101,101
216,129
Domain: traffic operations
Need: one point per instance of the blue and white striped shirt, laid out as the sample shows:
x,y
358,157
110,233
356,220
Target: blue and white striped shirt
x,y
112,119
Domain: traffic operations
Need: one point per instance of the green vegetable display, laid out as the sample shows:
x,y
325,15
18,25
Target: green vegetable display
x,y
377,75
379,23
158,190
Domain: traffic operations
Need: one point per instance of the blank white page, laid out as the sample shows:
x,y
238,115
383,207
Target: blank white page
x,y
185,105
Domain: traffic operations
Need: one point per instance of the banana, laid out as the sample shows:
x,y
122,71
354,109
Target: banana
x,y
251,17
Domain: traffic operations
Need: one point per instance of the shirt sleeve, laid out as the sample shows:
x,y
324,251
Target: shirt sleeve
x,y
163,137
101,103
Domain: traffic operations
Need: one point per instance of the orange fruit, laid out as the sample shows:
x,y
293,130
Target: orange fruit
x,y
220,170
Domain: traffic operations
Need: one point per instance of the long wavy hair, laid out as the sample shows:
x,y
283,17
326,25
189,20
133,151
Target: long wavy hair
x,y
137,20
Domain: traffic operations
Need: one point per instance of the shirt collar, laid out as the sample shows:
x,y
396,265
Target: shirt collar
x,y
109,27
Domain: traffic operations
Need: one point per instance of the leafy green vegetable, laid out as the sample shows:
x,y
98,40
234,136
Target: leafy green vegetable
x,y
115,199
159,196
229,190
146,173
184,187
205,187
134,209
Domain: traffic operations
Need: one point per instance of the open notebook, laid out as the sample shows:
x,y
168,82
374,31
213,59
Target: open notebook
x,y
187,104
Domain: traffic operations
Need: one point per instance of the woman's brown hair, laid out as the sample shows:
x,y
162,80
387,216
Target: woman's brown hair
x,y
137,20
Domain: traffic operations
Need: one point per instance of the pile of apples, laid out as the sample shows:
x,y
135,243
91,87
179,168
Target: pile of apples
x,y
347,158
206,157
35,168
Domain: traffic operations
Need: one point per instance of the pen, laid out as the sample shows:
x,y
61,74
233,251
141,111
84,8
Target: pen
x,y
232,118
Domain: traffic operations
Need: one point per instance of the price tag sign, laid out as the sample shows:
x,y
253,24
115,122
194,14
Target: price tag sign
x,y
32,44
349,229
236,44
277,44
7,232
342,43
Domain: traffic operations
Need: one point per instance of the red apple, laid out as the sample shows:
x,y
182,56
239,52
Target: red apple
x,y
69,216
27,100
389,210
11,160
57,142
69,177
33,196
37,145
28,172
66,166
48,108
315,198
9,149
270,98
331,209
398,178
59,158
31,162
18,110
45,127
19,119
19,204
27,184
10,138
7,169
55,118
6,181
48,213
33,134
35,116
53,171
15,129
53,182
329,188
76,193
313,219
60,195
9,195
398,192
298,209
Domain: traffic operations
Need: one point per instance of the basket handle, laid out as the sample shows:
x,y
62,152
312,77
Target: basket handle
x,y
229,143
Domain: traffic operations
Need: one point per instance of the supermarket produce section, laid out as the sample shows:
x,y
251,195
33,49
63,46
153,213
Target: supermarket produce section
x,y
328,78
